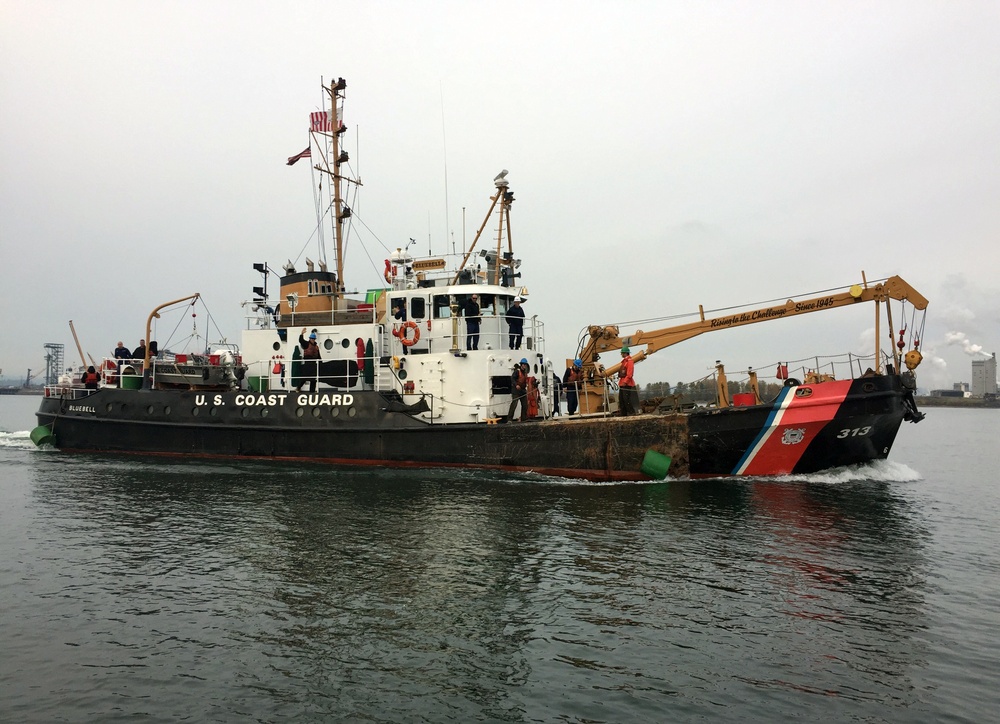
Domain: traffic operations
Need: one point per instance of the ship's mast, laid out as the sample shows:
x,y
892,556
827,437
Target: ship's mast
x,y
340,211
505,197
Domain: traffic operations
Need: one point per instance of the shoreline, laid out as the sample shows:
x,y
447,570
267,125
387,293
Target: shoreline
x,y
978,403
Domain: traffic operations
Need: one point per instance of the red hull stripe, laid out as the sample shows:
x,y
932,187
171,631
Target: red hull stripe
x,y
793,424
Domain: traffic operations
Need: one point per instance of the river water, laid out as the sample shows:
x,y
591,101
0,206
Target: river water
x,y
134,589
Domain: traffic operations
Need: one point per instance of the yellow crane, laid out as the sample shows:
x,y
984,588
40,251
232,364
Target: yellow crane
x,y
604,339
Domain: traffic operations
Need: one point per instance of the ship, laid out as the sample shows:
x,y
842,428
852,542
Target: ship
x,y
411,375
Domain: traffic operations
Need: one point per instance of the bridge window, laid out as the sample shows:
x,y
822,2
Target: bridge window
x,y
442,306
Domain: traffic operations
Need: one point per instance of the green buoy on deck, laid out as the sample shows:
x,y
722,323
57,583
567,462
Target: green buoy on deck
x,y
655,464
258,383
42,435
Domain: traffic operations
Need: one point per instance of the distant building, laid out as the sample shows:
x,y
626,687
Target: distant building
x,y
984,376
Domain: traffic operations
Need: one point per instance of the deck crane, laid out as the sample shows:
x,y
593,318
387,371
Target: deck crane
x,y
604,339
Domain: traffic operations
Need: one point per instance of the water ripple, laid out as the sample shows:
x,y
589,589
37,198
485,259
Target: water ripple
x,y
154,590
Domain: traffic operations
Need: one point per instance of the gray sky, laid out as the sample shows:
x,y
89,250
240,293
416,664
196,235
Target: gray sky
x,y
663,155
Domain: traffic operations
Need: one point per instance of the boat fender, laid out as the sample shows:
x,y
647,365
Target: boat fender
x,y
792,382
405,338
276,370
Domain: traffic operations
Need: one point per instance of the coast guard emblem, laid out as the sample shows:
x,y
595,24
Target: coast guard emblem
x,y
793,436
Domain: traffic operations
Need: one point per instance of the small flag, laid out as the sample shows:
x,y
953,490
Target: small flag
x,y
319,121
305,154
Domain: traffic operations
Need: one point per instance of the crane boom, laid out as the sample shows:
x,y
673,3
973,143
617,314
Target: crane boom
x,y
606,338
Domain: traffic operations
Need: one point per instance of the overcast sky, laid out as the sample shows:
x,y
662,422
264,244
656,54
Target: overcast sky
x,y
662,155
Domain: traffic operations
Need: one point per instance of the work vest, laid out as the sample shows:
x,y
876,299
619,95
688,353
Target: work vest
x,y
520,379
625,372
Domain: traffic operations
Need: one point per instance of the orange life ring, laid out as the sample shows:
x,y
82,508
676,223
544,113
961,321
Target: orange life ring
x,y
388,272
404,338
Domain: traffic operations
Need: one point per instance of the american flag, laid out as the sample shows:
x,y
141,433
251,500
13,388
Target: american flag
x,y
319,121
305,154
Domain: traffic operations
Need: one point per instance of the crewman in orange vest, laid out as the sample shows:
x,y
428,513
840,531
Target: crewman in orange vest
x,y
628,396
90,378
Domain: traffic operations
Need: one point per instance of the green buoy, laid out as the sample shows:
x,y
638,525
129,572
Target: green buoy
x,y
42,435
655,464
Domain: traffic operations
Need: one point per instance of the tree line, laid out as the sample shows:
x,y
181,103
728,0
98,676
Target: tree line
x,y
704,390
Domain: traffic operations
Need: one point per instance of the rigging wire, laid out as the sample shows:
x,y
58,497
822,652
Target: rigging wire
x,y
718,310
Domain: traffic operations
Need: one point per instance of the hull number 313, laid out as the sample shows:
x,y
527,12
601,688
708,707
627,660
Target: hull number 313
x,y
855,432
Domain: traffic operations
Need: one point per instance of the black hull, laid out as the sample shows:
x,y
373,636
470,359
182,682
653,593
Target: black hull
x,y
854,425
373,428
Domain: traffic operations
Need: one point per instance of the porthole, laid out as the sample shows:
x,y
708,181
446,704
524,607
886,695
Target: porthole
x,y
149,410
345,343
264,412
166,409
276,346
213,412
328,344
108,407
335,412
299,412
316,412
196,411
245,412
351,412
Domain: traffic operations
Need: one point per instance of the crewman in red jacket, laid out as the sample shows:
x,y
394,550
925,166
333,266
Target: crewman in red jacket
x,y
628,395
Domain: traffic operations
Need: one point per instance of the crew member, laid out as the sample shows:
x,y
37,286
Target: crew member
x,y
519,391
472,322
571,383
628,395
90,378
556,387
399,312
121,354
515,320
310,361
